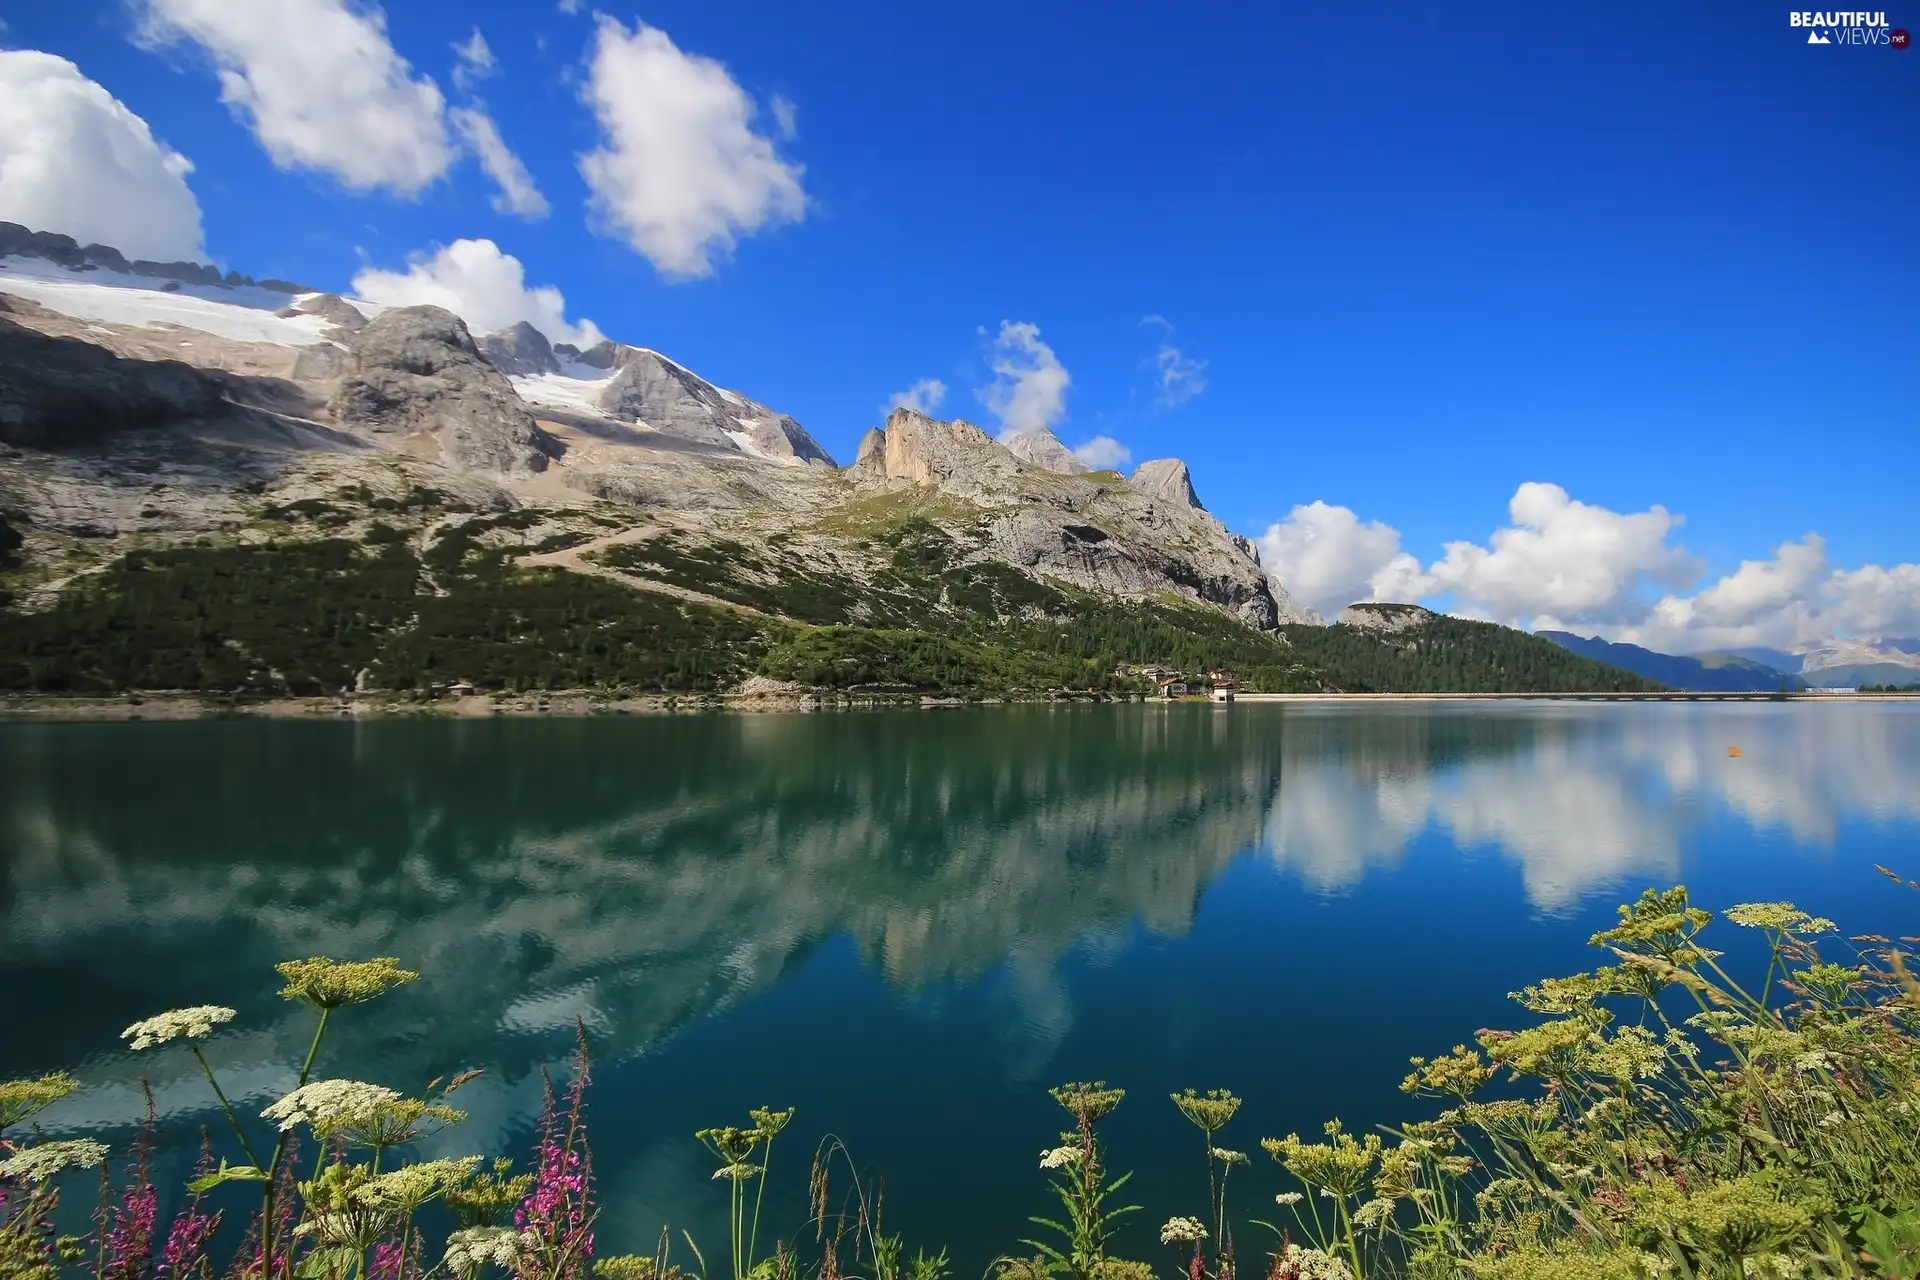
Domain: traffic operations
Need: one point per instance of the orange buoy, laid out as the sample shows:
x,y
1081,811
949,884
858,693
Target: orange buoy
x,y
1733,751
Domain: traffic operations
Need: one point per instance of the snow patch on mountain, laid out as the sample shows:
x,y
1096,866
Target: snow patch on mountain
x,y
241,313
576,388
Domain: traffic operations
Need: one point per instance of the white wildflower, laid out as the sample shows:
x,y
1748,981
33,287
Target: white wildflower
x,y
475,1247
411,1186
1059,1158
1311,1264
1182,1231
1373,1213
1228,1157
1325,1194
1780,917
324,1226
37,1164
1776,1266
1288,1198
330,1104
190,1024
739,1171
1814,1060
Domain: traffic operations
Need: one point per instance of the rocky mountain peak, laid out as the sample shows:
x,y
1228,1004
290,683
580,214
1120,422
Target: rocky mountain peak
x,y
953,454
331,307
651,389
1042,448
1383,619
870,463
521,349
1168,479
417,370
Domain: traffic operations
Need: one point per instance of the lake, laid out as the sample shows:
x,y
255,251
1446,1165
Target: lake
x,y
906,925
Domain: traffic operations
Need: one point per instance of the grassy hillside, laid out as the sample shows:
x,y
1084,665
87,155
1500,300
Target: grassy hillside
x,y
420,593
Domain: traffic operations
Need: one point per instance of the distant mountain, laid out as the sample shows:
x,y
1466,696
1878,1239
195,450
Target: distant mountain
x,y
1851,662
1855,675
1778,659
1709,673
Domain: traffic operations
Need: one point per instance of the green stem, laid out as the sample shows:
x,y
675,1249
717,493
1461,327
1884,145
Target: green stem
x,y
753,1240
225,1106
279,1146
1220,1233
373,1168
733,1223
1213,1193
1353,1245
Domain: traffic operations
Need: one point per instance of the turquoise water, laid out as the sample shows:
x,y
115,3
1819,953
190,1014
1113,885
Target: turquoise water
x,y
905,925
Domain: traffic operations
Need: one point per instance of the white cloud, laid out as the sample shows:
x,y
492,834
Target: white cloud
x,y
475,61
1565,559
786,117
74,159
923,396
1328,558
571,7
1181,377
1569,565
1790,599
679,172
320,85
517,195
481,285
1103,453
1561,562
1875,601
1029,391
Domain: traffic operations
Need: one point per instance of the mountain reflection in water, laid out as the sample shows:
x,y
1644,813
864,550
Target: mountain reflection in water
x,y
643,875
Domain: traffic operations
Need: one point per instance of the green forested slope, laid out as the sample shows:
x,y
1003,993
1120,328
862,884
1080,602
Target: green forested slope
x,y
324,608
1453,655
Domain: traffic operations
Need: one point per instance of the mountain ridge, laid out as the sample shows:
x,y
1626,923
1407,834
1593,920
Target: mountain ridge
x,y
1732,675
420,479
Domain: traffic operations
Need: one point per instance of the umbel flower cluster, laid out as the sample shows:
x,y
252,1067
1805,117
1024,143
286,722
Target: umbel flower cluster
x,y
1656,1119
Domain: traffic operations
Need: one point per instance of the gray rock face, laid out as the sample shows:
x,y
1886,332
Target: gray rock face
x,y
417,370
522,349
332,308
601,355
953,455
1383,619
1042,448
651,389
1090,532
667,398
61,392
1169,478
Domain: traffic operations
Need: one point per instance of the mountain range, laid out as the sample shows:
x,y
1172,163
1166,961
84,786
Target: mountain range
x,y
214,483
1836,664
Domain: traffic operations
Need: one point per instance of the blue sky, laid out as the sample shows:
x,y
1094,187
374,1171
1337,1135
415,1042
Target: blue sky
x,y
1656,256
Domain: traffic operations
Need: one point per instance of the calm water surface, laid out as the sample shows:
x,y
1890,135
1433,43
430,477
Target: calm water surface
x,y
905,925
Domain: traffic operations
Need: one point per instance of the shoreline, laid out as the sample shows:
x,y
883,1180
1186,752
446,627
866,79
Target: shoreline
x,y
71,708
